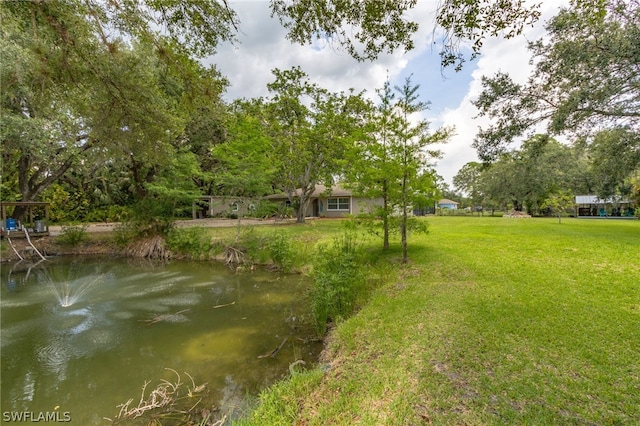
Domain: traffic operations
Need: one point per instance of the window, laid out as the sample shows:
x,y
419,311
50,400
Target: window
x,y
338,204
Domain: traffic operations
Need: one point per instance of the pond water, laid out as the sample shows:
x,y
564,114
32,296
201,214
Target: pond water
x,y
81,336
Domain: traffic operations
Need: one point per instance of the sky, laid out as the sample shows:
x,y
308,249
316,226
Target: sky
x,y
262,46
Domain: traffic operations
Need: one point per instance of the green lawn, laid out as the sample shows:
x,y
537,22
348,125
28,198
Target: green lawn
x,y
494,321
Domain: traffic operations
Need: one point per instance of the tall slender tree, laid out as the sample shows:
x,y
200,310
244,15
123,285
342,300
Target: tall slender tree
x,y
393,160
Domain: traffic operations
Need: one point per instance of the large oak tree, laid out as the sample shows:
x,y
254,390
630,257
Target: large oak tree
x,y
586,78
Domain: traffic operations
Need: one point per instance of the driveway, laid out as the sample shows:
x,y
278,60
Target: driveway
x,y
55,230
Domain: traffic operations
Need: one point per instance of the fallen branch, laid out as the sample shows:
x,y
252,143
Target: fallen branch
x,y
224,306
274,352
168,399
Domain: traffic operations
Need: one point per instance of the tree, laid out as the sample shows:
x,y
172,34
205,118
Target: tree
x,y
585,78
410,152
310,128
615,160
366,29
81,77
468,181
559,202
245,164
524,178
393,160
370,159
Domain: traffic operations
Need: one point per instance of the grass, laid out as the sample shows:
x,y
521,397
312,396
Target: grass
x,y
494,321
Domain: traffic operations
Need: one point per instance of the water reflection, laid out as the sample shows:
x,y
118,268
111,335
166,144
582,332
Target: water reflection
x,y
86,335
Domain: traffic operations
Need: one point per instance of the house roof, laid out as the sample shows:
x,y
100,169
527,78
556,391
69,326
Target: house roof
x,y
320,191
594,199
446,201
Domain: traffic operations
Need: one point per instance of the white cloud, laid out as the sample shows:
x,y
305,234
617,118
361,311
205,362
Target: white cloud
x,y
510,56
263,46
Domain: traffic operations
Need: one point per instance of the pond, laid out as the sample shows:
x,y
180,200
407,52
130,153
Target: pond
x,y
82,336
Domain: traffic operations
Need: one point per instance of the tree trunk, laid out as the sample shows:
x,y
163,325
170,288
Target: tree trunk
x,y
300,214
403,224
385,218
304,204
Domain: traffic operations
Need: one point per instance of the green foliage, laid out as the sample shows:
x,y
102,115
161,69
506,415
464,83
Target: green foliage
x,y
559,203
367,29
526,177
244,164
152,216
101,112
191,242
382,26
262,248
476,20
264,209
73,236
280,251
584,80
373,225
392,161
311,129
615,157
113,213
124,234
147,218
338,277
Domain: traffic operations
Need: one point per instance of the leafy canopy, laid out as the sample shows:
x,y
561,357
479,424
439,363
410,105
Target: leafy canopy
x,y
586,78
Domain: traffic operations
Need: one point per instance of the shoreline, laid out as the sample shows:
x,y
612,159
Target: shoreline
x,y
100,242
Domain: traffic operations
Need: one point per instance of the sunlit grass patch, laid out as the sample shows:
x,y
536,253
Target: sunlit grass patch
x,y
494,321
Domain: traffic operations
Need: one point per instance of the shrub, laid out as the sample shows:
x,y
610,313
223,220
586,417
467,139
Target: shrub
x,y
338,280
280,251
192,242
73,235
124,234
264,209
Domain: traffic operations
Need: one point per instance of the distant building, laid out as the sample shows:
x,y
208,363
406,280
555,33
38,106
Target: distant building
x,y
447,204
593,206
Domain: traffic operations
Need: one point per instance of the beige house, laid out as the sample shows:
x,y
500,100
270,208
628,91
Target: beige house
x,y
332,202
217,206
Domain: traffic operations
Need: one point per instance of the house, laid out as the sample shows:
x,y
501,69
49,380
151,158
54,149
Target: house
x,y
332,202
593,206
218,206
447,204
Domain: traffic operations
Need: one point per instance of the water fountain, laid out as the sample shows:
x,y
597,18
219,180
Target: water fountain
x,y
69,292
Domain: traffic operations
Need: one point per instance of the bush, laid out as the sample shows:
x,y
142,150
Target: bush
x,y
192,242
124,234
338,280
264,209
73,235
280,251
